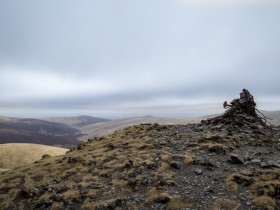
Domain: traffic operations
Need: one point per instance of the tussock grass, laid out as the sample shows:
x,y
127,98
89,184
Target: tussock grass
x,y
177,202
174,202
225,204
231,184
263,186
265,202
157,195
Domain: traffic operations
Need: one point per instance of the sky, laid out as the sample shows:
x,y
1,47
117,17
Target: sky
x,y
168,58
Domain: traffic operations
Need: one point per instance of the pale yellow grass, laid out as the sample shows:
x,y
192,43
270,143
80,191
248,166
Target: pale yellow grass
x,y
19,154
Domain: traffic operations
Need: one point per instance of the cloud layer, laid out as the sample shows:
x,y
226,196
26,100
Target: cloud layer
x,y
230,2
137,57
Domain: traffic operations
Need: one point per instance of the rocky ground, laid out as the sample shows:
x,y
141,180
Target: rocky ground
x,y
230,162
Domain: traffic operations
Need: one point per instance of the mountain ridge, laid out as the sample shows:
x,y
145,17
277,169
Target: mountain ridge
x,y
77,121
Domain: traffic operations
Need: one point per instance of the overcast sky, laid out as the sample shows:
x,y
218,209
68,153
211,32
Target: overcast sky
x,y
179,58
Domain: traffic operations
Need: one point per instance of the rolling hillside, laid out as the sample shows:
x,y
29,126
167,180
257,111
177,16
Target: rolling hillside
x,y
28,130
16,155
78,121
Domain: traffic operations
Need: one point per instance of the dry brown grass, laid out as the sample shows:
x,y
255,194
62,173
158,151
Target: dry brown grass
x,y
16,155
177,202
174,202
265,202
233,138
212,146
4,169
263,186
225,204
157,195
232,183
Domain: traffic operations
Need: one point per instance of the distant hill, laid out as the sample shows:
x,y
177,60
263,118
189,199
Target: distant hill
x,y
274,115
15,155
100,129
78,121
28,130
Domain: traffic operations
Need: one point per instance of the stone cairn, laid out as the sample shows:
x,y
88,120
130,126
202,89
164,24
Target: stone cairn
x,y
240,112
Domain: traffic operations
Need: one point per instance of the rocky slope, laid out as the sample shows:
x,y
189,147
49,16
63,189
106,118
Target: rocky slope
x,y
105,128
230,162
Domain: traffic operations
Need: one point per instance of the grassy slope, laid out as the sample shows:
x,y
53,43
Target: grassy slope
x,y
113,169
15,155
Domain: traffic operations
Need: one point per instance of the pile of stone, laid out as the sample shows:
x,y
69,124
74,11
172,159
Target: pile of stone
x,y
244,104
240,113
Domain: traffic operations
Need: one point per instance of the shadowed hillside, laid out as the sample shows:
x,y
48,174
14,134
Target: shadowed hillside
x,y
28,130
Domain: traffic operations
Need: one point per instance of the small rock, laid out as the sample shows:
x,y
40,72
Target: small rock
x,y
265,165
247,173
111,146
248,203
162,143
58,180
198,171
152,166
56,197
244,181
217,149
216,127
235,159
257,161
129,164
175,165
276,165
45,156
73,159
106,175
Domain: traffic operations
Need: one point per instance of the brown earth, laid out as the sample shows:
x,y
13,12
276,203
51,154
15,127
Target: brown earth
x,y
222,164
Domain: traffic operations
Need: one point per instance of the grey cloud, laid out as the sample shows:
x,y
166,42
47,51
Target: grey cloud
x,y
229,2
108,54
